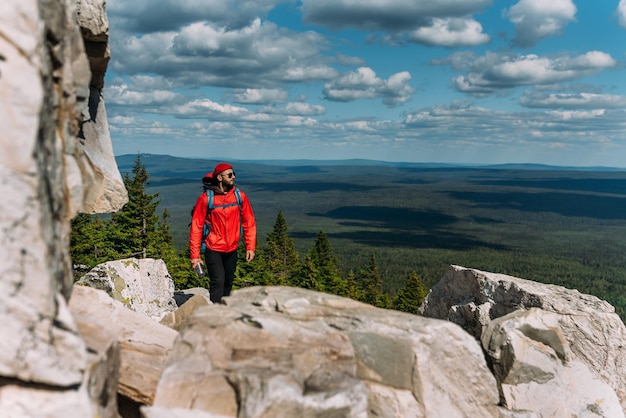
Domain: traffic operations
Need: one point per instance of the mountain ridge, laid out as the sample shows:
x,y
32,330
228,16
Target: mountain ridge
x,y
375,163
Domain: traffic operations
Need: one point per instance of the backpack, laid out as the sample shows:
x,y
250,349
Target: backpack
x,y
210,206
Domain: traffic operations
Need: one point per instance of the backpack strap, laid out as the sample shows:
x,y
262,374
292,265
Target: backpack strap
x,y
211,206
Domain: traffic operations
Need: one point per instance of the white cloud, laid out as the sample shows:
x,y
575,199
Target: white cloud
x,y
621,13
573,100
120,94
494,72
259,96
538,19
364,84
147,16
450,32
296,109
205,108
201,53
442,22
387,15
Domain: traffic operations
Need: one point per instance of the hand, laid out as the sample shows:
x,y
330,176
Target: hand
x,y
195,262
249,255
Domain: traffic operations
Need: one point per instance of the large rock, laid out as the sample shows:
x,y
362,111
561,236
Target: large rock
x,y
143,285
594,332
45,81
282,351
144,343
538,372
102,376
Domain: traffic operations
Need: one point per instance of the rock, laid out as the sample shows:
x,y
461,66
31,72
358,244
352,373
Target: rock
x,y
537,371
595,333
45,77
144,343
284,351
143,285
178,319
102,375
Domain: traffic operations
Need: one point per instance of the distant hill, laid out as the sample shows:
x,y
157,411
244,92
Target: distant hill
x,y
126,162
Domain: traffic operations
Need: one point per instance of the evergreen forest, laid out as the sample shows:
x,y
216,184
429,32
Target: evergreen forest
x,y
382,233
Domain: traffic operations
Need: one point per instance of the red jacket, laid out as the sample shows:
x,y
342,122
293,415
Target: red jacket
x,y
225,223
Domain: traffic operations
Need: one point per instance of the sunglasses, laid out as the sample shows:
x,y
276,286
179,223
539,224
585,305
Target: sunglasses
x,y
229,175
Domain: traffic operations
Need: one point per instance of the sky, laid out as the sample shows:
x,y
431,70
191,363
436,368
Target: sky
x,y
445,81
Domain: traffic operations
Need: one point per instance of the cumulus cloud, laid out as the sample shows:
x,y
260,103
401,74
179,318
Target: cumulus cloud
x,y
203,53
443,22
146,16
259,96
385,15
468,123
205,108
364,84
493,72
296,109
450,32
121,94
538,19
621,13
535,99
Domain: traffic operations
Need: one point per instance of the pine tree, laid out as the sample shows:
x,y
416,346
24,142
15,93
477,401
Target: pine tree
x,y
352,288
411,296
133,228
89,242
254,273
322,257
282,258
307,278
373,285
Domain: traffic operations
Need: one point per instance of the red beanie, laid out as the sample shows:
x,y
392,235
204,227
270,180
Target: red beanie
x,y
221,167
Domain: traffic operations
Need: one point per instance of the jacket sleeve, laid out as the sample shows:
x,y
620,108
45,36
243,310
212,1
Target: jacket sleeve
x,y
197,225
248,222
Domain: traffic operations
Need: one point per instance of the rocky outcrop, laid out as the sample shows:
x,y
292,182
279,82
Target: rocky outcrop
x,y
282,351
46,177
586,331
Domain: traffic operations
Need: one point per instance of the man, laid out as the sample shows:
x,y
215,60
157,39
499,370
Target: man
x,y
231,214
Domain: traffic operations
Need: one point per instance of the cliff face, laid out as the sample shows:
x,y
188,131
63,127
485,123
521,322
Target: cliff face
x,y
56,160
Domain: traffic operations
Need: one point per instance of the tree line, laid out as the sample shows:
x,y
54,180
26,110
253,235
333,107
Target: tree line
x,y
138,231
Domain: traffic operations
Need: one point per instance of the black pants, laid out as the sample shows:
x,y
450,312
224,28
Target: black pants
x,y
221,269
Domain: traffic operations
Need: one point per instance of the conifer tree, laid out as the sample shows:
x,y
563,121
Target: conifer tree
x,y
352,288
411,296
322,257
282,258
307,278
133,228
89,241
373,285
254,273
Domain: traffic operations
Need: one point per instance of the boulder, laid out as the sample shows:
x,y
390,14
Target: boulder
x,y
594,332
143,285
144,343
537,370
178,319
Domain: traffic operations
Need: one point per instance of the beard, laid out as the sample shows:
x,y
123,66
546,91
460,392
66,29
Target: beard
x,y
227,186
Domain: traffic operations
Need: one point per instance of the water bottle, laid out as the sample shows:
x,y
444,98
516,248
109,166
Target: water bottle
x,y
199,270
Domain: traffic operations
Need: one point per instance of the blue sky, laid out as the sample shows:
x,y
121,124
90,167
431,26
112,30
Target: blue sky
x,y
450,81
